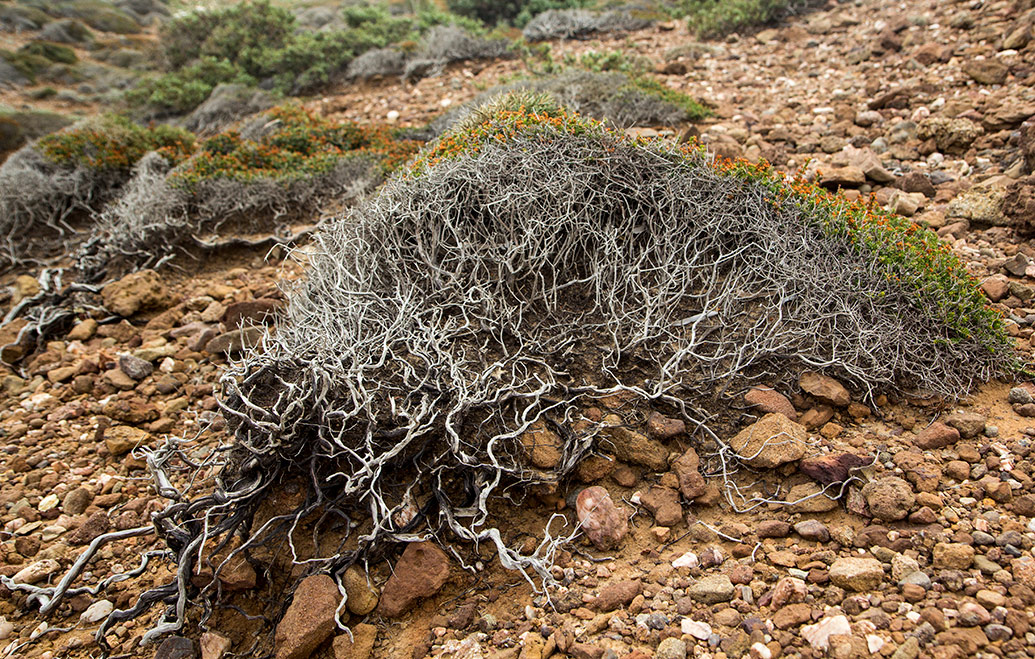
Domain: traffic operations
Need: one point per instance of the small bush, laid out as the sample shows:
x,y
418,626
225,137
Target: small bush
x,y
50,51
114,144
383,62
582,23
717,18
66,31
184,90
227,104
20,18
28,65
98,15
514,12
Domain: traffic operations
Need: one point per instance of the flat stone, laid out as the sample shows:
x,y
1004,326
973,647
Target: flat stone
x,y
309,620
857,574
770,442
421,572
825,388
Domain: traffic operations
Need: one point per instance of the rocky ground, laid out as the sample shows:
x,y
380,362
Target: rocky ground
x,y
928,553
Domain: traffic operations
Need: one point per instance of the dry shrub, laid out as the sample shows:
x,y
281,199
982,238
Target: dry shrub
x,y
582,23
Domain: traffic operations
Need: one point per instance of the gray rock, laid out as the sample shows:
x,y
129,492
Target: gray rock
x,y
135,367
712,589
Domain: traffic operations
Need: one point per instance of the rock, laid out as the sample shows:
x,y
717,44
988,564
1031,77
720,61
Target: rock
x,y
687,471
712,589
634,448
953,136
978,205
134,367
176,647
139,291
811,529
953,556
421,572
361,646
618,594
663,503
123,439
36,572
261,311
362,595
789,590
309,620
833,468
818,635
770,442
664,428
769,401
858,574
95,525
604,523
772,528
213,645
235,341
702,631
671,648
77,501
917,182
96,612
825,388
543,446
936,436
969,424
986,71
810,498
792,615
1018,206
842,177
889,499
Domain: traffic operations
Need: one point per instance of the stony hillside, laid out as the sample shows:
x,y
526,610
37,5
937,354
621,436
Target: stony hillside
x,y
898,523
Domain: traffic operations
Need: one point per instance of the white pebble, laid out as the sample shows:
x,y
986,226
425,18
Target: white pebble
x,y
96,612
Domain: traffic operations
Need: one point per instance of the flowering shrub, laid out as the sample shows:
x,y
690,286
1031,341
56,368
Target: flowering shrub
x,y
910,257
302,145
114,144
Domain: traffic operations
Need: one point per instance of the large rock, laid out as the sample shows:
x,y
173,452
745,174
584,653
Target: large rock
x,y
360,646
953,556
421,572
543,446
617,594
833,468
986,71
858,574
632,447
979,205
687,471
309,621
139,291
712,589
950,135
770,442
604,523
1018,206
937,435
362,595
889,499
663,503
122,439
769,401
825,388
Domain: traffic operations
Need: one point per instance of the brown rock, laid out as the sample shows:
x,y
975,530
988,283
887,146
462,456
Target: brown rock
x,y
969,424
261,311
362,595
1018,206
825,388
139,291
792,615
309,621
633,448
986,71
123,439
543,446
663,503
604,523
235,341
817,416
617,594
769,401
360,646
664,428
936,436
833,468
770,442
789,590
421,572
953,556
96,525
843,177
889,499
691,482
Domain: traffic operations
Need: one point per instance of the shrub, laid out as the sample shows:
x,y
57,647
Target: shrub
x,y
48,189
185,89
227,104
582,23
50,51
444,44
281,166
28,65
19,18
717,18
66,31
515,12
98,15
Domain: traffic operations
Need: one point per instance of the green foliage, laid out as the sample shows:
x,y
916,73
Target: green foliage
x,y
514,12
98,15
717,18
52,51
695,111
17,13
240,34
614,60
113,143
302,146
27,64
185,89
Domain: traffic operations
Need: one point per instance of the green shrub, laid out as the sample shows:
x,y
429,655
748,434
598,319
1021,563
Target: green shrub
x,y
183,90
27,64
51,51
717,18
98,15
113,143
514,12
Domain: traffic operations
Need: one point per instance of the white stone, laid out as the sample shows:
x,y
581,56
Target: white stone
x,y
37,571
699,630
6,629
689,559
48,502
818,635
874,643
760,651
96,612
